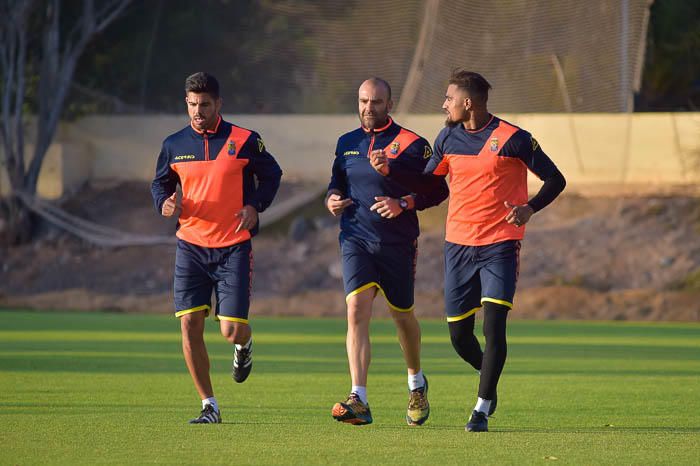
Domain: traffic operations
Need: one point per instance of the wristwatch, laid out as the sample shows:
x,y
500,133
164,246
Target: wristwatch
x,y
403,203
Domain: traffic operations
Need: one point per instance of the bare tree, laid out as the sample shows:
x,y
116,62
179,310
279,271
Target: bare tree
x,y
21,21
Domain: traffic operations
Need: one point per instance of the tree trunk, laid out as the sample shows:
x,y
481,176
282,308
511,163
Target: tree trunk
x,y
58,61
15,222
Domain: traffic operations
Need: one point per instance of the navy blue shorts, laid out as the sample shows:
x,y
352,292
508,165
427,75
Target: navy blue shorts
x,y
226,271
389,267
475,274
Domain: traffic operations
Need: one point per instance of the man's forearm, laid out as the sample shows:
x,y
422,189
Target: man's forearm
x,y
549,191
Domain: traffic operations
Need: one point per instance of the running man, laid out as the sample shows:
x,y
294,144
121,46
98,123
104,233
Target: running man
x,y
217,165
487,160
378,237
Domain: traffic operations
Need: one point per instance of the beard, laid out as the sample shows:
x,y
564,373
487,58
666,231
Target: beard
x,y
377,121
450,123
204,123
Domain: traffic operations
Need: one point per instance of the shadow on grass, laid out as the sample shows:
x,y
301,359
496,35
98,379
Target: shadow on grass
x,y
319,359
601,430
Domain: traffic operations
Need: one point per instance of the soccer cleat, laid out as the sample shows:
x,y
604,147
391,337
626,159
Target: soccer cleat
x,y
207,416
352,411
242,362
418,406
494,402
478,422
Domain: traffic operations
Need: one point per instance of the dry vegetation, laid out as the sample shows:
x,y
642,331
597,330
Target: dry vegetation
x,y
618,256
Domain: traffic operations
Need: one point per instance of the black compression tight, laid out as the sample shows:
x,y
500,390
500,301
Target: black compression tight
x,y
464,341
495,316
493,358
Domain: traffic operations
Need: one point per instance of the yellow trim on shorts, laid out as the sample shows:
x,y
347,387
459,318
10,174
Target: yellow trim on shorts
x,y
361,289
373,284
203,307
232,319
463,316
507,304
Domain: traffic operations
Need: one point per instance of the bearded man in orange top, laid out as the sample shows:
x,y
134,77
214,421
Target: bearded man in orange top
x,y
487,160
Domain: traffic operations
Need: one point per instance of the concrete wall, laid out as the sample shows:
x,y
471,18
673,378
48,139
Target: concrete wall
x,y
590,149
67,165
127,147
604,149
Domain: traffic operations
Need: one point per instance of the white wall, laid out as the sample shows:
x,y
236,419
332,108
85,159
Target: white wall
x,y
590,149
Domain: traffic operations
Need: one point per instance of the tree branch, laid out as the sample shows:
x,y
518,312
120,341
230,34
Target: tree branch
x,y
59,70
109,13
12,73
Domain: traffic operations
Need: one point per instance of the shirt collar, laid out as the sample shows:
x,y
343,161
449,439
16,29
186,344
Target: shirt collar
x,y
479,129
379,130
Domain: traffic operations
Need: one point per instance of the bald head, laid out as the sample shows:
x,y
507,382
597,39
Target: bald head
x,y
374,100
378,82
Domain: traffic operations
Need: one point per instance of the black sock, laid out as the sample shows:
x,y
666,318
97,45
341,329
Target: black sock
x,y
496,349
464,341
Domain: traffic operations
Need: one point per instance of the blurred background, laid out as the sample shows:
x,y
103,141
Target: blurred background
x,y
90,89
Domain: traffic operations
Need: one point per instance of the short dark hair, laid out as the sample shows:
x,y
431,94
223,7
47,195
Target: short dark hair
x,y
202,82
476,85
383,82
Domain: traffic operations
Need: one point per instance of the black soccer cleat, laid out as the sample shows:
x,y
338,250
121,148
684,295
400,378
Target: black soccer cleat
x,y
207,416
478,422
242,362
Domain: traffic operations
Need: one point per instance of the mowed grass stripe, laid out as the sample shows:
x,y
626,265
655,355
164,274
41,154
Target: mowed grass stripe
x,y
578,393
152,337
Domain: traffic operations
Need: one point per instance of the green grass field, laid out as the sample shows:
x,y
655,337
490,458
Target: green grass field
x,y
110,388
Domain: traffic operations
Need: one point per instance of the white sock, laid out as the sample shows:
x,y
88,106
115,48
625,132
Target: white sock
x,y
247,345
482,405
361,392
211,401
416,380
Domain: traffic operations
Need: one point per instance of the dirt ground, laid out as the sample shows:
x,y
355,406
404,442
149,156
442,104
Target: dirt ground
x,y
623,256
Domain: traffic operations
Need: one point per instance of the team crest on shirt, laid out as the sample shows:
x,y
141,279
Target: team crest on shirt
x,y
231,147
535,144
427,153
394,147
261,145
494,144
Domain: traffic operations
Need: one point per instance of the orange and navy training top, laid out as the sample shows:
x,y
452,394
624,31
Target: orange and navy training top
x,y
217,171
487,167
355,178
